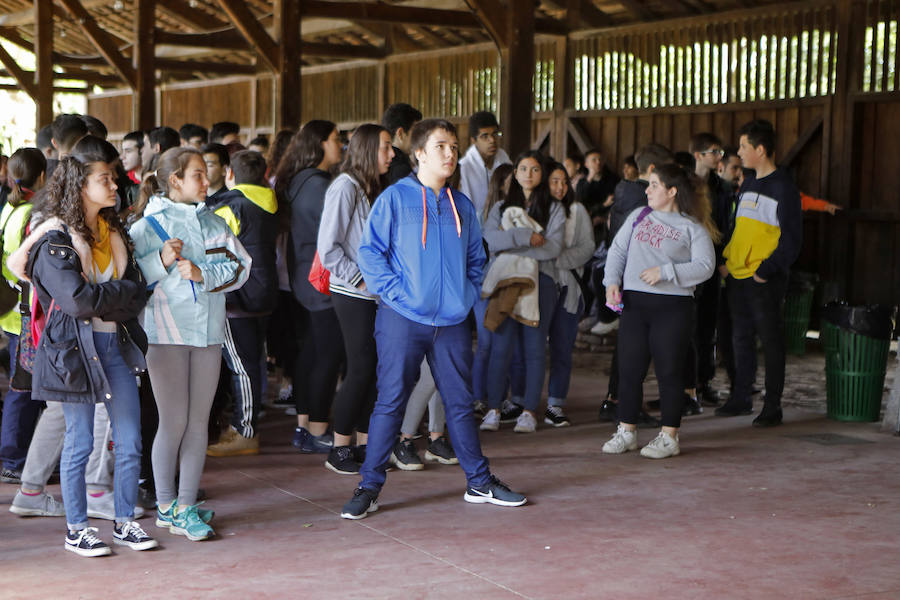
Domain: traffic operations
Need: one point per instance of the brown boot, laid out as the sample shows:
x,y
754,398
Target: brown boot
x,y
232,443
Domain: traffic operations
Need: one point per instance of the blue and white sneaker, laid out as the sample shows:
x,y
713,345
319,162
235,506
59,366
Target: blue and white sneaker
x,y
494,492
85,542
308,443
130,534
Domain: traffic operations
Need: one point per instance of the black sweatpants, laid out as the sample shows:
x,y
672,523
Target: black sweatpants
x,y
756,309
354,402
653,326
318,363
244,353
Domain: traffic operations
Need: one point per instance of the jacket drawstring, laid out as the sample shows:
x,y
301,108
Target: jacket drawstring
x,y
425,216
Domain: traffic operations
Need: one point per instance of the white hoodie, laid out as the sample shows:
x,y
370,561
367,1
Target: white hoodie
x,y
475,177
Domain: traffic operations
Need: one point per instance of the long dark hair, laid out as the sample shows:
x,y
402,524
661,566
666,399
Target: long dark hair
x,y
569,198
62,197
690,196
23,171
173,160
361,160
278,148
495,188
540,201
304,152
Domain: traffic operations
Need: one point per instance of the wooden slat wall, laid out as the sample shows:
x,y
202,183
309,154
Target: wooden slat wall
x,y
113,110
715,60
208,103
881,55
345,96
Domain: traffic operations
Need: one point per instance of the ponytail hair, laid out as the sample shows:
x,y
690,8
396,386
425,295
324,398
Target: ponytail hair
x,y
173,160
24,169
691,196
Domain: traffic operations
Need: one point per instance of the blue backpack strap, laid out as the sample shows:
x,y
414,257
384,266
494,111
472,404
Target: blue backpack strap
x,y
157,227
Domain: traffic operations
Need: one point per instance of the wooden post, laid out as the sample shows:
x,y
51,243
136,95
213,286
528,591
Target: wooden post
x,y
143,114
559,143
43,62
516,76
288,92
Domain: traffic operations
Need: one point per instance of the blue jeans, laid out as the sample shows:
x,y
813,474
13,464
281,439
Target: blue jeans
x,y
482,351
125,416
533,342
402,344
20,416
563,331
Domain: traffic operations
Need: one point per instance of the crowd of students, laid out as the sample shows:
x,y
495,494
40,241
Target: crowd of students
x,y
380,277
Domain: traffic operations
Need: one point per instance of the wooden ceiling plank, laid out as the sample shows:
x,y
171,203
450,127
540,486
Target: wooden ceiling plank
x,y
638,9
101,40
230,39
194,17
340,50
245,22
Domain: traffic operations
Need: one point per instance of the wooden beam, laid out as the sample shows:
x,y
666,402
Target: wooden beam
x,y
245,22
9,87
43,62
25,79
193,17
638,9
695,7
25,18
582,139
516,75
388,13
804,138
206,66
288,91
341,50
542,137
102,40
143,114
491,15
229,39
585,12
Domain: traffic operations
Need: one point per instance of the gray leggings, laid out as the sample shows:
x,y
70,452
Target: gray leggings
x,y
184,382
46,447
424,395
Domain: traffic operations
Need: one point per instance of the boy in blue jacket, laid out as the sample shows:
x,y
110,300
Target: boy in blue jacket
x,y
421,252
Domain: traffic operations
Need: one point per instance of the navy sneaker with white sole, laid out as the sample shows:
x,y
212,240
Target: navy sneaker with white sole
x,y
361,504
85,542
494,492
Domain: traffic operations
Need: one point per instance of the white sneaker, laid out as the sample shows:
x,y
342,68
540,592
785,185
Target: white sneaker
x,y
40,505
525,423
104,507
491,421
662,446
621,441
586,323
602,328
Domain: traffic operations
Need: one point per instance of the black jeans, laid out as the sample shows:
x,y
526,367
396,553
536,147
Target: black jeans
x,y
318,362
657,326
354,402
756,310
703,369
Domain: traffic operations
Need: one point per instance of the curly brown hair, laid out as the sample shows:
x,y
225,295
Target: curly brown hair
x,y
62,196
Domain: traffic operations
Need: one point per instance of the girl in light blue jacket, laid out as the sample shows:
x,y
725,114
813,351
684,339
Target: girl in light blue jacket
x,y
190,258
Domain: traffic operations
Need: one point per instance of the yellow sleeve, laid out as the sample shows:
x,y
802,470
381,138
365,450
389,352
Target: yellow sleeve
x,y
226,213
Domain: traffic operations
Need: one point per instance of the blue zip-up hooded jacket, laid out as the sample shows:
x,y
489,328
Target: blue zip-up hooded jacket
x,y
426,265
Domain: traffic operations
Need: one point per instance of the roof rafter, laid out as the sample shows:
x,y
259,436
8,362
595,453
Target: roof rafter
x,y
25,79
102,40
245,22
194,17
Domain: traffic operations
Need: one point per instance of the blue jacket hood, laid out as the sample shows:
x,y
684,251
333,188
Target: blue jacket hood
x,y
424,258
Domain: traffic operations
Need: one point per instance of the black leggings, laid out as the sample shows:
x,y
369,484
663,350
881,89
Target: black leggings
x,y
318,362
354,402
657,326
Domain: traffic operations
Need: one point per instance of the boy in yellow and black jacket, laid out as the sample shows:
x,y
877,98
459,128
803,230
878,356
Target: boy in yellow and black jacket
x,y
249,208
768,233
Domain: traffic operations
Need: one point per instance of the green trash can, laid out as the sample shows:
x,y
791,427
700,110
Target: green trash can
x,y
857,342
797,308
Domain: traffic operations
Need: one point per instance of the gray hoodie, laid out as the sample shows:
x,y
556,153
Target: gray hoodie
x,y
340,231
670,240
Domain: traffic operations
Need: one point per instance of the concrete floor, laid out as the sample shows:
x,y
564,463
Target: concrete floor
x,y
807,510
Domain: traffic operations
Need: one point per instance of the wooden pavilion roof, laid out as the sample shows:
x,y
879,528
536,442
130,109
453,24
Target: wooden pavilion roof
x,y
195,39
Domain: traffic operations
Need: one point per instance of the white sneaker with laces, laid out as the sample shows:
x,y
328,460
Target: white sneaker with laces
x,y
40,505
525,423
621,441
104,507
602,328
491,421
662,446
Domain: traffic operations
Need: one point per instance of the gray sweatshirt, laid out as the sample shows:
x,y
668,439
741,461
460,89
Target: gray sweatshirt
x,y
340,231
670,240
518,240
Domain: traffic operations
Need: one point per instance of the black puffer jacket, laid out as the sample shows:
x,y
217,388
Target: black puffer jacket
x,y
306,197
66,366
